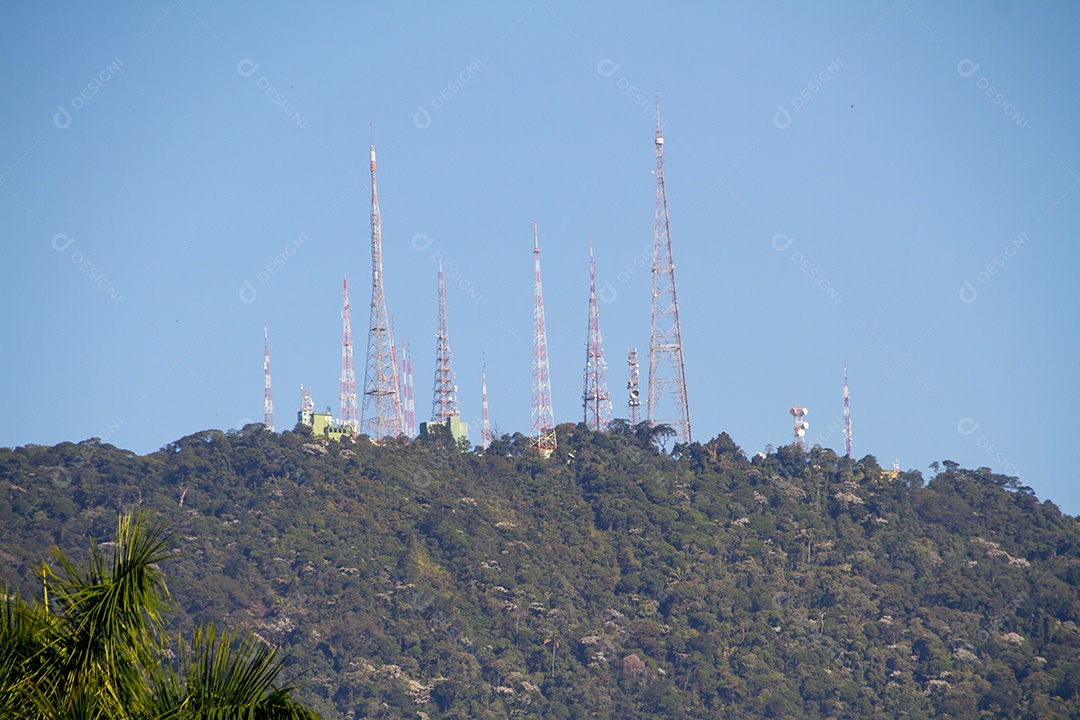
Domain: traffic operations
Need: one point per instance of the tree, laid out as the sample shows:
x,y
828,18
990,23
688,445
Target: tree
x,y
94,647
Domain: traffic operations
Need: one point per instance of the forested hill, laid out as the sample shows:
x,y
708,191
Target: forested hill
x,y
611,581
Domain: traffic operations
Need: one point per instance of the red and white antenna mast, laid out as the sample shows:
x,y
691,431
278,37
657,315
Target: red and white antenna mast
x,y
485,424
543,417
596,399
633,400
444,400
381,416
348,374
268,399
847,415
667,371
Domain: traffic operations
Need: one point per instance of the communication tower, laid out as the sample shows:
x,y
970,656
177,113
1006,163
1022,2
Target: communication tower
x,y
406,373
667,371
596,399
382,415
268,399
444,403
485,427
543,417
348,374
847,415
801,426
634,399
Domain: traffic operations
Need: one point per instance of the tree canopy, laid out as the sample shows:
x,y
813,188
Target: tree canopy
x,y
93,647
612,580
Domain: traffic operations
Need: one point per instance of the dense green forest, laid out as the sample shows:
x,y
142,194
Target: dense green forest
x,y
615,579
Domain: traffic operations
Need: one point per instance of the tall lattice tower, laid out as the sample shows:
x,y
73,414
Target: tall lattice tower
x,y
667,371
444,399
847,415
348,374
268,398
381,416
596,399
633,399
543,417
485,423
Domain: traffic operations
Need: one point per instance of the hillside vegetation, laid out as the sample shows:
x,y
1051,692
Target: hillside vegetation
x,y
613,580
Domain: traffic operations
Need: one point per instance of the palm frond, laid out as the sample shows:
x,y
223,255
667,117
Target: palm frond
x,y
231,675
112,612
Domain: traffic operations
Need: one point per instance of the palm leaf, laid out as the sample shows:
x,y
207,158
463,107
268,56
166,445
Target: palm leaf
x,y
112,616
221,677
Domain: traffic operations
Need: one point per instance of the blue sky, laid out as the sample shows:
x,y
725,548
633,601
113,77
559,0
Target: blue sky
x,y
890,183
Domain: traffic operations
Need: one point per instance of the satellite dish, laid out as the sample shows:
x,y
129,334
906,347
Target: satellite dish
x,y
806,426
805,411
801,432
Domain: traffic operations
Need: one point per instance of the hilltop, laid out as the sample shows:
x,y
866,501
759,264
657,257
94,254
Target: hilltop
x,y
613,580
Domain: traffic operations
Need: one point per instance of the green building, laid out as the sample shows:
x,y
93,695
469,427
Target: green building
x,y
322,425
458,430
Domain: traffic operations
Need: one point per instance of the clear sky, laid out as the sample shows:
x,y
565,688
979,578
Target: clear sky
x,y
890,183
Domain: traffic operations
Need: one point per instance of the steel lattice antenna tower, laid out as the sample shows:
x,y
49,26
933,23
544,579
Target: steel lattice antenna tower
x,y
847,415
634,394
307,407
801,426
485,424
543,417
596,398
444,400
268,399
348,373
381,416
667,372
409,409
411,399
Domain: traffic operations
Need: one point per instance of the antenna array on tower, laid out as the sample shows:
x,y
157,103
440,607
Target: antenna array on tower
x,y
667,373
801,426
543,417
596,399
382,416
